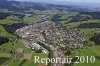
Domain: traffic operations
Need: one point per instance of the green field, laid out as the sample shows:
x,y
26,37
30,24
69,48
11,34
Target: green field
x,y
6,48
92,51
29,62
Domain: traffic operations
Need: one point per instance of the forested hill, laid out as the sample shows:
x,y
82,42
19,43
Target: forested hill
x,y
9,5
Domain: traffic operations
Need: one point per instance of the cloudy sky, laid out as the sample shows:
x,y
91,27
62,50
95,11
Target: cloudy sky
x,y
77,1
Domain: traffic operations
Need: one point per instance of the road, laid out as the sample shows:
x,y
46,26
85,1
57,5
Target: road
x,y
57,53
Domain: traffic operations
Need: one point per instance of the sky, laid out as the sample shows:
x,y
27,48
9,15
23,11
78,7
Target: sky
x,y
76,1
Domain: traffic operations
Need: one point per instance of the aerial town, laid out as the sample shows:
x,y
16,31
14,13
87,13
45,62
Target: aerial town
x,y
46,33
49,33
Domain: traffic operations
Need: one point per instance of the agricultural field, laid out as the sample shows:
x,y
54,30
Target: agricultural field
x,y
91,51
6,55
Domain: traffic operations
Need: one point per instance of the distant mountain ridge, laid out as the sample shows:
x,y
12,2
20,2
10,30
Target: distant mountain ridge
x,y
13,5
92,5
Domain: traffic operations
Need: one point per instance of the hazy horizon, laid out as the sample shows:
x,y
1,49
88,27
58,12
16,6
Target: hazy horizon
x,y
75,1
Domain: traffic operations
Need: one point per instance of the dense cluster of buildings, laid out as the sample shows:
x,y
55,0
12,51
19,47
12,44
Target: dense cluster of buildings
x,y
54,38
48,33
